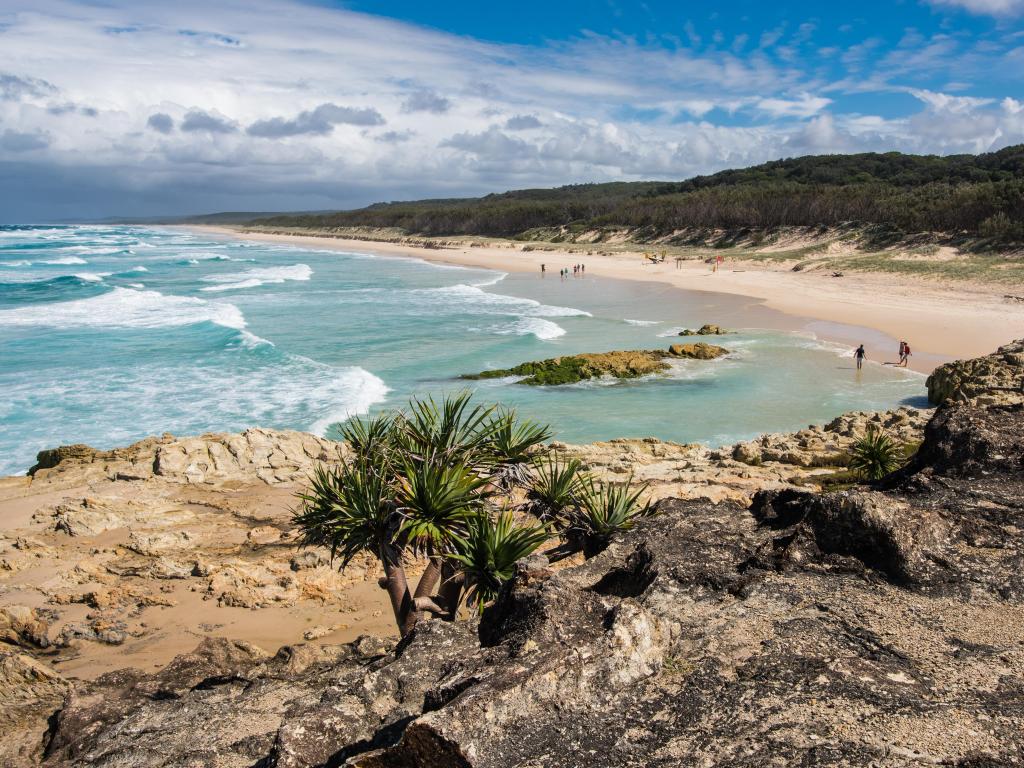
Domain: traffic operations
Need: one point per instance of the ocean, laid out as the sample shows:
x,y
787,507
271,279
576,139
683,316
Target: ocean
x,y
112,333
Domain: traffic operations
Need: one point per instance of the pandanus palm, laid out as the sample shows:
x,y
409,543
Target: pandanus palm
x,y
350,509
554,490
512,443
876,455
451,429
422,482
489,551
436,500
603,512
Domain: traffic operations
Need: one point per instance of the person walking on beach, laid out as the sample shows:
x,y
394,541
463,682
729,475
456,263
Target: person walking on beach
x,y
860,354
543,269
903,346
905,355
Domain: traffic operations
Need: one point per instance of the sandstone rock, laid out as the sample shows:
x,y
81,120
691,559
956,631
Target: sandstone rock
x,y
995,378
705,330
22,627
262,535
91,516
29,693
271,456
160,543
698,351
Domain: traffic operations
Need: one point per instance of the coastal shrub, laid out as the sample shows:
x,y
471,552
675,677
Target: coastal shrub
x,y
596,514
876,455
554,489
489,551
435,482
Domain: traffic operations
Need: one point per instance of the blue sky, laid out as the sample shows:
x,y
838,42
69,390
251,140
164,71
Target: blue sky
x,y
140,108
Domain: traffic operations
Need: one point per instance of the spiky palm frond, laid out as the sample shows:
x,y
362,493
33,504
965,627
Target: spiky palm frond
x,y
554,489
436,499
371,438
603,512
450,428
348,509
511,446
488,553
876,455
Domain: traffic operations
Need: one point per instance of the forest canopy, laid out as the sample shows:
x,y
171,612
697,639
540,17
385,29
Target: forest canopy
x,y
970,195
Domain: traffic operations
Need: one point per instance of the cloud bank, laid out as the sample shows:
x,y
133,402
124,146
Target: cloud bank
x,y
132,109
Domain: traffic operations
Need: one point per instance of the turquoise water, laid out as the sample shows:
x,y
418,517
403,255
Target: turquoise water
x,y
109,334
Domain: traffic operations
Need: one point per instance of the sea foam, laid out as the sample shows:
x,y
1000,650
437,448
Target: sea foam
x,y
125,308
252,278
537,326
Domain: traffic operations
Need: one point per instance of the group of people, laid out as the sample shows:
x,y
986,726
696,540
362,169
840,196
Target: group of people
x,y
577,271
905,354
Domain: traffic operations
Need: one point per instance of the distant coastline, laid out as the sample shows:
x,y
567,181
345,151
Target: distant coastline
x,y
943,320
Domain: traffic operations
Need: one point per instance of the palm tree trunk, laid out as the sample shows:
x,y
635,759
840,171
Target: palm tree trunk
x,y
428,580
450,593
398,590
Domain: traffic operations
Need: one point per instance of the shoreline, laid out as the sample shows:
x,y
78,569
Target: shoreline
x,y
942,322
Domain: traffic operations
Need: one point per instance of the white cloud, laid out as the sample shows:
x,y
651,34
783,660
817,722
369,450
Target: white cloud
x,y
984,7
805,106
364,108
943,102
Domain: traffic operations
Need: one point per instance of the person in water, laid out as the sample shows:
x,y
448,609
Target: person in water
x,y
543,268
860,354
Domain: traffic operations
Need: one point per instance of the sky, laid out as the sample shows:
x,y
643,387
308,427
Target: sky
x,y
136,108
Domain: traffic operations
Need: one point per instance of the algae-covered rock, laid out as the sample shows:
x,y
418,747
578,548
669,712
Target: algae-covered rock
x,y
621,365
705,330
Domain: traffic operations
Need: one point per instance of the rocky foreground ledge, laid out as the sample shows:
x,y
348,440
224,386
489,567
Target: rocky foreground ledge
x,y
875,626
872,627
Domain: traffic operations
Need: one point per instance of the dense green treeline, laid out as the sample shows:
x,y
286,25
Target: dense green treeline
x,y
973,195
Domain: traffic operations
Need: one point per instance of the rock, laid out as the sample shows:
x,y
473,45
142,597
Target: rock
x,y
160,543
995,378
262,535
29,694
705,330
871,627
698,351
315,633
271,456
22,627
571,369
91,515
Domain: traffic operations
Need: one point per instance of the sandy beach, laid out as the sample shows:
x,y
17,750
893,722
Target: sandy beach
x,y
941,320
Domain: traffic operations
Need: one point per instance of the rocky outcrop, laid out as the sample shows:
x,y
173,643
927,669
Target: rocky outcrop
x,y
23,627
270,455
871,627
698,351
707,329
571,369
995,378
772,461
30,692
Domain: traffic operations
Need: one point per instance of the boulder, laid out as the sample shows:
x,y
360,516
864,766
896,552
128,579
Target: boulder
x,y
705,330
698,351
995,378
22,627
